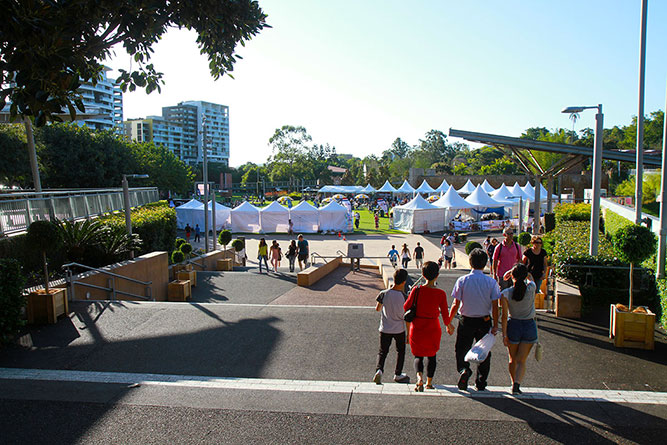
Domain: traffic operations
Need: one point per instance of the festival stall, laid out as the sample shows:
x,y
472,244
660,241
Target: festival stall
x,y
442,188
406,188
245,218
274,218
386,188
189,213
484,204
305,218
488,188
418,216
425,188
222,216
334,218
452,203
467,188
368,189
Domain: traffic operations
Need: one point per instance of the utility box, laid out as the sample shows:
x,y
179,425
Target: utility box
x,y
355,250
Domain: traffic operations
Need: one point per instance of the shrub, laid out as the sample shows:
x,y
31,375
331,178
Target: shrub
x,y
238,245
662,292
549,222
524,238
178,242
12,299
177,256
225,237
43,236
634,244
470,245
613,222
295,196
572,212
186,248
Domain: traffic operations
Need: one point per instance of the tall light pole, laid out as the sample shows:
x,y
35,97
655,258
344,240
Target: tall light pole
x,y
663,206
126,203
205,178
597,173
639,177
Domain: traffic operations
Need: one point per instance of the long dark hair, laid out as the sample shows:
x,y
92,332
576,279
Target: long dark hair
x,y
520,273
262,242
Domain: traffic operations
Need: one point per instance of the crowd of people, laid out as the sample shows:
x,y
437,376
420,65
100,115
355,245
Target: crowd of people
x,y
297,250
515,278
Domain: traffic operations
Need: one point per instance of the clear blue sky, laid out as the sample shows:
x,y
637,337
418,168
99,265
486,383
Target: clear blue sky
x,y
358,74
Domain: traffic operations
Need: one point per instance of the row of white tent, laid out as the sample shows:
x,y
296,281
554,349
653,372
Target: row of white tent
x,y
274,218
419,215
406,188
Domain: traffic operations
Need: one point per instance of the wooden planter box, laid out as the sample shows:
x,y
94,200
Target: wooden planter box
x,y
179,290
180,267
225,264
631,329
187,275
45,307
540,301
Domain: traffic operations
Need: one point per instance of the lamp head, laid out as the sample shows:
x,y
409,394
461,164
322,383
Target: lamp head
x,y
570,110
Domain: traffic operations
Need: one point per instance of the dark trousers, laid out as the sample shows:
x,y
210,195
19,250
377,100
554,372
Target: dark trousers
x,y
385,343
197,238
469,331
430,365
405,262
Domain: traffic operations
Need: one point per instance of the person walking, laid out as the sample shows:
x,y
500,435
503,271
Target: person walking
x,y
276,255
291,255
424,331
263,254
448,254
476,297
405,256
392,327
377,220
188,231
418,255
290,229
393,255
357,219
302,252
505,256
535,259
518,322
197,233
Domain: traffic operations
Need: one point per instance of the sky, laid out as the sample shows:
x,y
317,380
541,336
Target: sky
x,y
359,74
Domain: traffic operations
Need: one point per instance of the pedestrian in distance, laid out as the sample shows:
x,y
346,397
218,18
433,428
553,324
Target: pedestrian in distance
x,y
392,327
393,255
505,256
405,256
263,254
302,251
291,255
418,255
424,330
357,219
197,233
376,215
518,322
448,254
276,255
476,297
290,229
535,259
188,231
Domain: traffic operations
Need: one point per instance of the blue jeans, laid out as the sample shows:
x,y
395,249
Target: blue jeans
x,y
521,331
260,259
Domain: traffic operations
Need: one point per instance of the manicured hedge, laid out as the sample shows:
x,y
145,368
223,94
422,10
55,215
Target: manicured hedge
x,y
662,293
472,245
613,222
11,299
572,212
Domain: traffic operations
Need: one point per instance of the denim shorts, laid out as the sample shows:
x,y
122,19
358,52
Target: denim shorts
x,y
521,331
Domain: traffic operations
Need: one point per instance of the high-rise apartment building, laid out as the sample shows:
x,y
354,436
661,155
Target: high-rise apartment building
x,y
186,129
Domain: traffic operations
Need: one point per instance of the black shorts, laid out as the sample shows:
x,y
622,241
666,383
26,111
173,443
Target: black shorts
x,y
303,257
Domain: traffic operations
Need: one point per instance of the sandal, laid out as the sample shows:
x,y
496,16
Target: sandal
x,y
419,387
430,387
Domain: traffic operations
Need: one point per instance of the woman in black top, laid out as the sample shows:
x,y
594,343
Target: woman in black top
x,y
291,255
535,259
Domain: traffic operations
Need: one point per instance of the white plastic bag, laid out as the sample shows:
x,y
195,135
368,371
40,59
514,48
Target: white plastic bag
x,y
480,350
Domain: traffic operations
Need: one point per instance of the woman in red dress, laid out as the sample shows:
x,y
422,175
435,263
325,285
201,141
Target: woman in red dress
x,y
424,331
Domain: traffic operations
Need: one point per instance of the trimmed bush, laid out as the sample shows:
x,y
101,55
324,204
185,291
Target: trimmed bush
x,y
524,238
572,212
634,244
177,256
225,237
186,248
470,245
613,222
549,222
12,299
178,242
662,293
238,245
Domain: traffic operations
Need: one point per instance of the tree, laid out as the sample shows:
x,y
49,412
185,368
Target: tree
x,y
50,48
634,243
164,169
289,145
14,164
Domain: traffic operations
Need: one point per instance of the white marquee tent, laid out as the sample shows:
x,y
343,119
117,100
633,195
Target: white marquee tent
x,y
405,188
386,188
222,215
418,216
305,218
452,203
189,213
274,218
516,190
425,188
368,189
467,188
334,218
245,218
482,202
442,187
488,188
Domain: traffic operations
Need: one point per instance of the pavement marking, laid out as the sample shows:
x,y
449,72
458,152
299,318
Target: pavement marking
x,y
395,389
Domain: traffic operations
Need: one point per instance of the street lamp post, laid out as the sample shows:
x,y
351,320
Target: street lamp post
x,y
597,173
639,177
205,178
662,238
126,203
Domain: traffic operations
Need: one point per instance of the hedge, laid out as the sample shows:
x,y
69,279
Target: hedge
x,y
662,293
12,299
613,222
572,212
472,245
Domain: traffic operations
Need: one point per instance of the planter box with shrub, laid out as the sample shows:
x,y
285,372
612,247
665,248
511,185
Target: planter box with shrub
x,y
631,329
44,307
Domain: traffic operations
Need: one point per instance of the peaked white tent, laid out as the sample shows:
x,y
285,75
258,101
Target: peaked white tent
x,y
530,190
516,190
188,213
405,188
368,189
386,188
274,218
245,218
442,187
334,218
425,188
418,216
501,193
467,188
222,216
488,188
305,218
452,203
483,203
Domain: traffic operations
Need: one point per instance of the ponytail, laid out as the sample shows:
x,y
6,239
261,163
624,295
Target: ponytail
x,y
520,273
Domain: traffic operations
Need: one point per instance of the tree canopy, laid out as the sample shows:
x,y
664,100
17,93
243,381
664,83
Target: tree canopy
x,y
49,48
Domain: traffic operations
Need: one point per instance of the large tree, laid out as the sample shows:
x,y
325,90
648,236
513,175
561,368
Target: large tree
x,y
48,48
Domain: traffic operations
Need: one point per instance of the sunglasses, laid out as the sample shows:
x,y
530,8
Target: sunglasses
x,y
537,242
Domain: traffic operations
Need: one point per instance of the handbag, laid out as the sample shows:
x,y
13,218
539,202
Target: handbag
x,y
538,347
411,313
454,263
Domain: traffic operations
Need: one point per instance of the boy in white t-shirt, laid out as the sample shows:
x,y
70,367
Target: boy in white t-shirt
x,y
392,326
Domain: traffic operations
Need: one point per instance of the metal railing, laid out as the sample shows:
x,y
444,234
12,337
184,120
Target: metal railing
x,y
71,281
19,209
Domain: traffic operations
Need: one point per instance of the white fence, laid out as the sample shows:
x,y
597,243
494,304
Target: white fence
x,y
18,210
629,213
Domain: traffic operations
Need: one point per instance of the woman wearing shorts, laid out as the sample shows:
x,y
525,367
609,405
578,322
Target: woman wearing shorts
x,y
405,256
520,330
448,254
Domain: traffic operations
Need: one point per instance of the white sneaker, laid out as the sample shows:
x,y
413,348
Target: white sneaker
x,y
402,378
377,378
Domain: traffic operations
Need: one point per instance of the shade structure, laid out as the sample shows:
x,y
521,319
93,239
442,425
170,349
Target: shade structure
x,y
488,188
341,189
452,203
418,216
425,187
334,218
188,214
467,188
483,203
516,190
361,196
405,188
386,188
530,190
305,218
245,218
442,187
501,193
368,189
274,218
222,216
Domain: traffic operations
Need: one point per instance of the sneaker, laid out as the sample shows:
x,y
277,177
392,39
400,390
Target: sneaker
x,y
377,378
402,378
481,386
463,380
516,389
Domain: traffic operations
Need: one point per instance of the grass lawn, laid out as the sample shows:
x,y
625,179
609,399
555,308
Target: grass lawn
x,y
367,224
